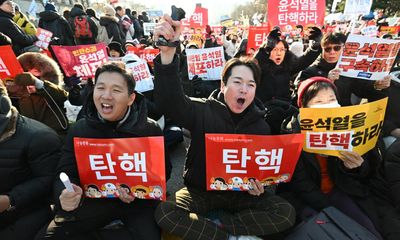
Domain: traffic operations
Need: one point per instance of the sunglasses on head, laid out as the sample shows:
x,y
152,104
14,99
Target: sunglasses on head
x,y
336,48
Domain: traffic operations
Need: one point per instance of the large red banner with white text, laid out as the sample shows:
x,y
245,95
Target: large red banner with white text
x,y
9,65
136,164
232,160
256,37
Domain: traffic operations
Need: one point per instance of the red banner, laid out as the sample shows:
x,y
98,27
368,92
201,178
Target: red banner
x,y
234,159
9,65
285,13
136,164
146,54
257,35
81,60
199,18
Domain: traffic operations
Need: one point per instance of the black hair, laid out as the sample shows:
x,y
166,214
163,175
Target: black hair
x,y
118,68
243,61
313,90
220,179
118,8
333,38
78,5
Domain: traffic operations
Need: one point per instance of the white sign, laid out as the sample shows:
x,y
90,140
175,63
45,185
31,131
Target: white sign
x,y
206,63
141,74
148,28
357,7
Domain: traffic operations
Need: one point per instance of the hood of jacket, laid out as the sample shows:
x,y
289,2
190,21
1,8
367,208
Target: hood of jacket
x,y
49,16
134,123
77,12
106,20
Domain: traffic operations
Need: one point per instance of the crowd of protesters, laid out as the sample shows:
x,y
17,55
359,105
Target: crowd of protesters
x,y
258,93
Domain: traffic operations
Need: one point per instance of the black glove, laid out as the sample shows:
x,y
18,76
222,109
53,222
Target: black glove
x,y
197,85
315,34
223,30
273,38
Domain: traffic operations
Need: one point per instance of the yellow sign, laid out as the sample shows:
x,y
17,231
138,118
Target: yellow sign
x,y
331,130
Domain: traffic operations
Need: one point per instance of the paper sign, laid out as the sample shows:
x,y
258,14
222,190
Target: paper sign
x,y
199,18
257,35
81,60
234,159
367,57
354,128
357,7
9,65
136,164
44,37
207,63
148,28
141,74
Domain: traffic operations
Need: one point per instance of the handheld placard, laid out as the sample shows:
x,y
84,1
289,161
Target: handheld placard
x,y
65,180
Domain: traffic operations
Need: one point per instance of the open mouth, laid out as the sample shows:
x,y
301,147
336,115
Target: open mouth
x,y
106,108
240,101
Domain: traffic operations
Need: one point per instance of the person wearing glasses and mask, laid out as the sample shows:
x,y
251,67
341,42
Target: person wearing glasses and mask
x,y
332,47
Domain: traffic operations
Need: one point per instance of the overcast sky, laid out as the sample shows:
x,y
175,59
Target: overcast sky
x,y
216,8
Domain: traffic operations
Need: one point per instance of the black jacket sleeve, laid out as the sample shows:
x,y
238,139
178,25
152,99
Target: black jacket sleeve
x,y
18,36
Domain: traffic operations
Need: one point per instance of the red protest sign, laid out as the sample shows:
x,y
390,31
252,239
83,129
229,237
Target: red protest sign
x,y
44,37
134,163
9,65
81,60
256,37
233,159
290,13
147,54
199,18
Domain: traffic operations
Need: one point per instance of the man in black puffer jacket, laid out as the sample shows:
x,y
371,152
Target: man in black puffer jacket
x,y
29,153
55,23
20,40
113,110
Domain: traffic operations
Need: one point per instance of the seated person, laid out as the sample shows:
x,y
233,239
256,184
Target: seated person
x,y
320,181
112,110
29,153
231,109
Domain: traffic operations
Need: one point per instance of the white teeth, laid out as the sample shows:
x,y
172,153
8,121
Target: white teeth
x,y
106,105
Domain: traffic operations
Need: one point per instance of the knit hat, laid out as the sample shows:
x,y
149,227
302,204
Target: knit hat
x,y
50,7
116,46
307,83
109,10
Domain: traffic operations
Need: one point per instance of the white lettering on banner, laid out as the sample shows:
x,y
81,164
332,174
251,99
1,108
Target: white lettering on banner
x,y
272,158
304,11
89,63
260,38
136,162
3,67
197,18
97,164
330,140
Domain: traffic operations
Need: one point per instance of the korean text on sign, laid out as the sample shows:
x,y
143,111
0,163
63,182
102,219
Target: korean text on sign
x,y
232,160
354,128
9,65
81,60
104,164
44,37
368,57
206,63
142,76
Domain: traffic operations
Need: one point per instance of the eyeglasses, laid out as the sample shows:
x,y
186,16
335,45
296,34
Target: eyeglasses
x,y
336,48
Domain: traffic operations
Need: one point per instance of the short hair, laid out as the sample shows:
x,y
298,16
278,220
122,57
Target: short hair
x,y
78,5
313,90
118,8
117,68
243,61
333,38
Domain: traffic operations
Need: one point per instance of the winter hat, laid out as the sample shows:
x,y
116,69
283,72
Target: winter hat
x,y
130,58
307,83
109,10
116,46
50,7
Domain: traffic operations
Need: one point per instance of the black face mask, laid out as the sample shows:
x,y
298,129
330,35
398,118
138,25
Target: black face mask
x,y
234,41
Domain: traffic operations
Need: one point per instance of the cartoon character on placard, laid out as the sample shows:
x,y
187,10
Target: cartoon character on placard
x,y
218,183
247,183
282,178
125,187
92,191
109,190
156,192
268,181
235,184
140,191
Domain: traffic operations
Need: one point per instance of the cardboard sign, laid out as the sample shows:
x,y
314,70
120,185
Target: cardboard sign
x,y
134,163
367,57
354,128
148,28
81,60
44,38
285,12
257,35
357,7
9,65
234,159
207,63
141,74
